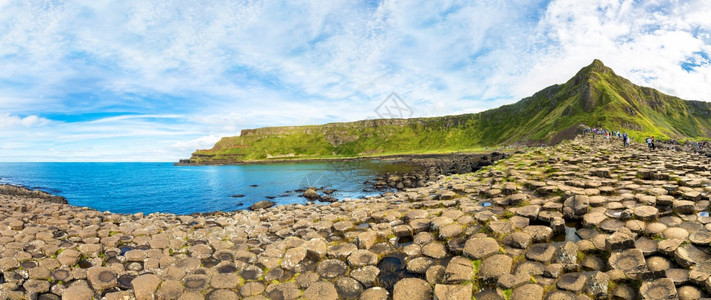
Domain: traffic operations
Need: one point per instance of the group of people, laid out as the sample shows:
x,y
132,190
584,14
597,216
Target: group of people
x,y
607,134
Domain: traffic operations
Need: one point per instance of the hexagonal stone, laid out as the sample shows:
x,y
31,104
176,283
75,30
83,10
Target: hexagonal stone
x,y
658,289
478,248
683,206
221,294
628,261
360,258
293,257
518,239
367,239
79,292
675,233
453,292
527,292
574,282
343,226
700,237
331,268
598,285
366,275
145,286
419,265
434,250
412,289
101,278
321,290
459,269
286,290
619,241
375,293
689,292
348,288
252,288
341,250
450,231
170,289
542,252
495,266
224,281
195,283
539,233
646,212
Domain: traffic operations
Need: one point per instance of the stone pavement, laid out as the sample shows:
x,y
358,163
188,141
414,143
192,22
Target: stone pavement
x,y
581,220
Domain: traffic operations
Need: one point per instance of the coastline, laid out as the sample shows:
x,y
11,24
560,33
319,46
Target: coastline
x,y
584,218
340,159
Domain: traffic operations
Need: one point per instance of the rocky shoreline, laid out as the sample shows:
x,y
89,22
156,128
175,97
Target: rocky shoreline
x,y
582,220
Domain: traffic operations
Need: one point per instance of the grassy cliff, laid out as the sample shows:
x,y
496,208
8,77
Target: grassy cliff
x,y
594,97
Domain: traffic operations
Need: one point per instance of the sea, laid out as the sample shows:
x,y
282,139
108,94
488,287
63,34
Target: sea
x,y
167,188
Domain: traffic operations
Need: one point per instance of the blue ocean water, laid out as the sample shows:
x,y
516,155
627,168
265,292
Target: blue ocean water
x,y
163,187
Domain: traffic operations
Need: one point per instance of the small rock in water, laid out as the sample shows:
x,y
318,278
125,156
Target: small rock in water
x,y
262,204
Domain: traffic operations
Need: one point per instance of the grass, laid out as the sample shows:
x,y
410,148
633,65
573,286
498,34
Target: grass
x,y
595,96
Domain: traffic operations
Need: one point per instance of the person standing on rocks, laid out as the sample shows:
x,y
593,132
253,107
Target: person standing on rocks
x,y
625,140
651,144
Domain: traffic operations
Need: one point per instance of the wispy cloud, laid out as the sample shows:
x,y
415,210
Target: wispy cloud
x,y
148,80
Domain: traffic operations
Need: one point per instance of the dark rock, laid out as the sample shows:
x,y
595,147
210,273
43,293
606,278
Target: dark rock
x,y
262,204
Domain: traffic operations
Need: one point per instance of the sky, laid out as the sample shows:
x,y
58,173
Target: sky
x,y
153,80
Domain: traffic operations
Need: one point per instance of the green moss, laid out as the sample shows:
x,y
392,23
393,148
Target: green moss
x,y
507,293
476,264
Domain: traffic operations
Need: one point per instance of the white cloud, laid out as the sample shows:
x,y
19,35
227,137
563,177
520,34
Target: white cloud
x,y
8,121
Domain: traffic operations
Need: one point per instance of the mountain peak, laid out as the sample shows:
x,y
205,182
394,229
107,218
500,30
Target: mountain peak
x,y
597,63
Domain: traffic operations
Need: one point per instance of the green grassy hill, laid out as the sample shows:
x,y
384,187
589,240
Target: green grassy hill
x,y
594,97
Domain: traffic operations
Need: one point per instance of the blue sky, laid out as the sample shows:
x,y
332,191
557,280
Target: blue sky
x,y
153,80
